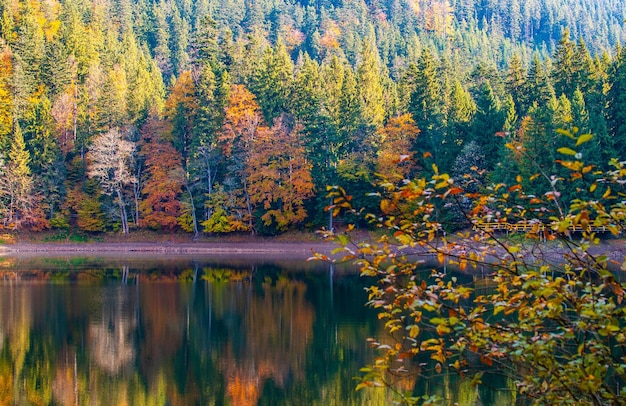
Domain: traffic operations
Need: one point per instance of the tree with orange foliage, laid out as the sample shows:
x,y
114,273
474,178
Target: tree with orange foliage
x,y
180,108
241,125
279,175
394,149
160,207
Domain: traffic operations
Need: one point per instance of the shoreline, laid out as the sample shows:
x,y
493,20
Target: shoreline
x,y
176,248
615,250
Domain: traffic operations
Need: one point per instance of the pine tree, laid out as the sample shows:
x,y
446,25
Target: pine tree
x,y
488,121
584,68
350,108
179,40
460,114
47,166
17,195
6,99
161,49
28,53
563,75
616,109
427,108
516,83
272,82
369,79
538,86
179,111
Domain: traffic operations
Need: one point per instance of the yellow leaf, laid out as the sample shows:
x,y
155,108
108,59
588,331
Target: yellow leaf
x,y
443,329
566,151
593,187
607,193
384,205
414,330
583,138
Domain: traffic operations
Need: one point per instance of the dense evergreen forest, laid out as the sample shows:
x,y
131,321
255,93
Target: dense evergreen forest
x,y
219,116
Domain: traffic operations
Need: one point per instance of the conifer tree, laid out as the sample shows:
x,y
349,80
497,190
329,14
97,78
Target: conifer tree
x,y
460,114
369,79
350,108
516,83
179,111
616,109
427,107
564,62
161,49
538,86
179,41
46,163
272,82
6,98
19,201
488,121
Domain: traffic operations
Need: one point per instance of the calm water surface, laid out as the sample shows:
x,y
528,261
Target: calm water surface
x,y
140,331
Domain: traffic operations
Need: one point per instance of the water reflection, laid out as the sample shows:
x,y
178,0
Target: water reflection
x,y
178,332
193,332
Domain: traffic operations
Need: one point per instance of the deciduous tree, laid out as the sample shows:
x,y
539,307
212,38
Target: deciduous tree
x,y
108,158
279,177
160,206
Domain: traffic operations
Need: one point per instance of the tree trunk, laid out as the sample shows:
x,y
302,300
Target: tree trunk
x,y
137,193
248,204
123,214
193,208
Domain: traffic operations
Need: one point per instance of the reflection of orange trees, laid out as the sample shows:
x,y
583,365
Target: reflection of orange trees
x,y
163,324
7,263
65,385
6,383
278,325
243,386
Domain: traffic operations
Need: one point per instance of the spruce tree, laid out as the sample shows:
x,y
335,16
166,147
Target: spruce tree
x,y
427,108
516,82
272,82
488,121
369,75
564,61
616,105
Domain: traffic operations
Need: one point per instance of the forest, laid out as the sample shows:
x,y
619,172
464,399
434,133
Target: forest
x,y
219,116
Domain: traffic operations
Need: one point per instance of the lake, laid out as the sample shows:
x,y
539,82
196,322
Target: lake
x,y
186,331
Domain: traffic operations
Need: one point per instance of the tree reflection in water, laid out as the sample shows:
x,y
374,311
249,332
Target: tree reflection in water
x,y
79,331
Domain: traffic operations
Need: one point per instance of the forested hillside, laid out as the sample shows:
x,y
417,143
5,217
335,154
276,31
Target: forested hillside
x,y
220,116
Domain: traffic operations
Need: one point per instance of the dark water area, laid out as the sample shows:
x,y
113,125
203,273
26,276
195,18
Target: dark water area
x,y
180,331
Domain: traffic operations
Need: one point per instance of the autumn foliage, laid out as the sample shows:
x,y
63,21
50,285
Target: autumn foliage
x,y
160,207
546,309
